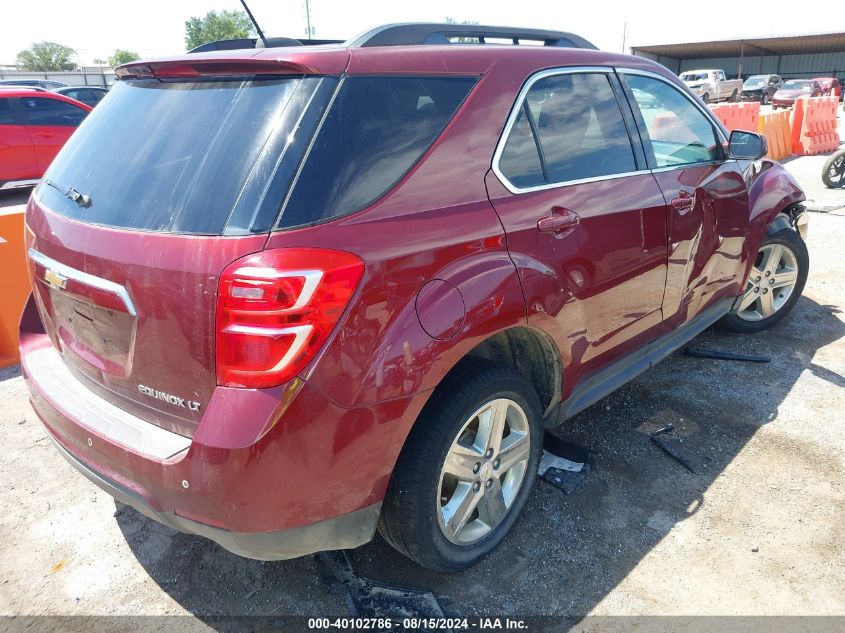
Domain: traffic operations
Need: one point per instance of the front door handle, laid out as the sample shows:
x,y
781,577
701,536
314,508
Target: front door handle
x,y
683,202
560,222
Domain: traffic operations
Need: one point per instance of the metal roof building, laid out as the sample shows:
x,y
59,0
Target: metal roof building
x,y
821,55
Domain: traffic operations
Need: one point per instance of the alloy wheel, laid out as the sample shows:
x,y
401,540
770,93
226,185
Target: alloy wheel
x,y
770,284
483,472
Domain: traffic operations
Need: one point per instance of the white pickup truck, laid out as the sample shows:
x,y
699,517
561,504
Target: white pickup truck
x,y
711,85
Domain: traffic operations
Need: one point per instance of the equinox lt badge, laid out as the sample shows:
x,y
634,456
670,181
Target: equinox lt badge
x,y
169,398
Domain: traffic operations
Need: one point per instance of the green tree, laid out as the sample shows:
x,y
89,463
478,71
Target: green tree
x,y
122,56
217,25
47,56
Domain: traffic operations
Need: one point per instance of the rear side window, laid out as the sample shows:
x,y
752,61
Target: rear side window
x,y
569,127
376,130
193,157
6,117
43,111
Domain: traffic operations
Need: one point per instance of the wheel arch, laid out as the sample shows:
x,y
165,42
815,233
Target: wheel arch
x,y
527,350
530,352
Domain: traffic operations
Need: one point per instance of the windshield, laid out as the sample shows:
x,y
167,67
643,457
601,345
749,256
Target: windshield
x,y
755,82
694,77
793,84
183,156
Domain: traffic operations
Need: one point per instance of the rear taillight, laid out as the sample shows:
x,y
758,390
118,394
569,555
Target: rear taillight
x,y
275,310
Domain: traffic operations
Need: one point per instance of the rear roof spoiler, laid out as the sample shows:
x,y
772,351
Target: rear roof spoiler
x,y
189,68
434,33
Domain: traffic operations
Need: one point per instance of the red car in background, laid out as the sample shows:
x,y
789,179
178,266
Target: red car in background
x,y
34,126
830,86
794,88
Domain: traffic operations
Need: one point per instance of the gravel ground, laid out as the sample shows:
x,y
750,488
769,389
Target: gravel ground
x,y
758,531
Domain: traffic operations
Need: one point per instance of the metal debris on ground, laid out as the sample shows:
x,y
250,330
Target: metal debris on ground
x,y
367,598
700,352
672,447
565,465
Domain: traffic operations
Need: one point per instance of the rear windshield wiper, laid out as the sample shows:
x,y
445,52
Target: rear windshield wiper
x,y
83,200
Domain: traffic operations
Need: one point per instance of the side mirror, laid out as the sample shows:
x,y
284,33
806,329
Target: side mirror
x,y
747,145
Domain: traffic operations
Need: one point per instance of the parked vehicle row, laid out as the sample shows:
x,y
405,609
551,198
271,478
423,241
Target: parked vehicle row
x,y
347,288
711,85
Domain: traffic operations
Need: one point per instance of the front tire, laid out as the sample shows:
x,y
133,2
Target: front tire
x,y
705,98
466,470
774,285
765,99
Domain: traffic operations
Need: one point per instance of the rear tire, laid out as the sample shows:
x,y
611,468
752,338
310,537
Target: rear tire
x,y
765,99
774,285
705,98
733,97
447,515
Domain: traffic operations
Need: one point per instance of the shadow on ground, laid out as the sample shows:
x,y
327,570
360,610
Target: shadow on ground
x,y
567,552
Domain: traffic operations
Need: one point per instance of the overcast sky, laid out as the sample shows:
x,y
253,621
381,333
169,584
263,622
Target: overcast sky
x,y
94,28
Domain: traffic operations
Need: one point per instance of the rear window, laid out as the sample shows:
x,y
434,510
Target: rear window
x,y
376,130
193,157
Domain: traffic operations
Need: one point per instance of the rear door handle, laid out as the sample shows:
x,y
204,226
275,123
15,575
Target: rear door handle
x,y
683,202
559,222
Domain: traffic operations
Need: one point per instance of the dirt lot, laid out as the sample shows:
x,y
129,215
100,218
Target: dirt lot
x,y
758,531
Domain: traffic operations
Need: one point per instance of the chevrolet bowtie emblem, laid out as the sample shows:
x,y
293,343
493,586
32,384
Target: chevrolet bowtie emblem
x,y
55,280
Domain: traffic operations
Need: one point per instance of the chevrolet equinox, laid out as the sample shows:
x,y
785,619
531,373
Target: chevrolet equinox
x,y
286,296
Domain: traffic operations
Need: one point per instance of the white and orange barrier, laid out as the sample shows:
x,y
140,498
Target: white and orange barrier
x,y
814,125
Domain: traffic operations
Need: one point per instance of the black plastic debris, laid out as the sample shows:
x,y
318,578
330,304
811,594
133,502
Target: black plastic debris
x,y
672,447
700,352
565,465
367,598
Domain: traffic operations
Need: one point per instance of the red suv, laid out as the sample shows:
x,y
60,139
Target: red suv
x,y
283,297
34,124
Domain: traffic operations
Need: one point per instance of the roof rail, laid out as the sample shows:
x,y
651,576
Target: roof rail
x,y
253,42
435,33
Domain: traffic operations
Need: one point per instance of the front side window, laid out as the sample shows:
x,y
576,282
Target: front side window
x,y
43,111
679,133
569,127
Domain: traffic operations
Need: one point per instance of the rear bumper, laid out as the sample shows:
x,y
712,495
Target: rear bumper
x,y
342,532
269,474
